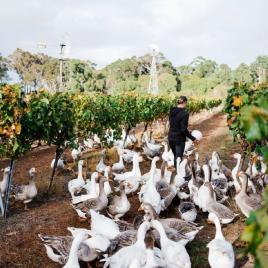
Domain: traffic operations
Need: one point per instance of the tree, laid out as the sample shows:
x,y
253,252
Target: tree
x,y
185,70
243,74
203,67
3,69
80,75
27,67
224,74
35,70
257,68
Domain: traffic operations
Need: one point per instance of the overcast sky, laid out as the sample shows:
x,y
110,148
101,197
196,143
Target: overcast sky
x,y
228,31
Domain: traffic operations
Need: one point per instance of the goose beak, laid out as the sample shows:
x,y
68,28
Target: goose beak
x,y
141,208
254,159
129,184
171,168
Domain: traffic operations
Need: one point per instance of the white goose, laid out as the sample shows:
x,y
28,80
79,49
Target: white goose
x,y
91,187
101,166
127,155
104,226
60,165
58,247
119,205
151,146
245,202
96,241
119,166
76,153
221,253
174,253
79,182
107,175
132,177
27,192
167,155
154,256
133,256
235,170
180,177
203,191
73,255
146,177
150,194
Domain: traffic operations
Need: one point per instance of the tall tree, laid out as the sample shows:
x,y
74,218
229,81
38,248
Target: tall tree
x,y
224,74
203,67
259,68
243,74
35,70
82,76
3,69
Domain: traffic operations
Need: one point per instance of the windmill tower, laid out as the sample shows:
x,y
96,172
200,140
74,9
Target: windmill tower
x,y
64,52
153,84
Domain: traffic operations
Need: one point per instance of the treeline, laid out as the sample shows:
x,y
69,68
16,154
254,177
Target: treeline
x,y
201,76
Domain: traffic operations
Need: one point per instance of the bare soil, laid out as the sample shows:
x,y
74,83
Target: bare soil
x,y
20,245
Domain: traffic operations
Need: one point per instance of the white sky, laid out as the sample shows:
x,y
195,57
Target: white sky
x,y
228,31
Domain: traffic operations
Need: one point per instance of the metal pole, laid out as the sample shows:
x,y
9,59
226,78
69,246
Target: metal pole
x,y
8,188
60,74
153,84
1,205
62,45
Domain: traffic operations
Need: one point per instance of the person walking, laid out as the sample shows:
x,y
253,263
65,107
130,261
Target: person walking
x,y
178,129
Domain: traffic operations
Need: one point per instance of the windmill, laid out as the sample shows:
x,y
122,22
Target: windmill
x,y
153,84
41,46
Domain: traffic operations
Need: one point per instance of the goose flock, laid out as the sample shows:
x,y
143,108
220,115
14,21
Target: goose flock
x,y
151,240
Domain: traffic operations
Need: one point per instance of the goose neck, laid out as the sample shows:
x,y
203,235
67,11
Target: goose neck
x,y
32,177
166,148
178,164
263,167
237,163
121,159
219,234
135,163
141,234
244,183
73,256
80,171
163,237
123,192
5,177
206,173
152,173
210,191
172,179
101,187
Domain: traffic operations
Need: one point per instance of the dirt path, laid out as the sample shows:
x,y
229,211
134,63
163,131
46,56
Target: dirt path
x,y
19,244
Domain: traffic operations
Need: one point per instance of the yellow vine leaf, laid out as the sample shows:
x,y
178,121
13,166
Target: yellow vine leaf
x,y
17,128
235,113
237,101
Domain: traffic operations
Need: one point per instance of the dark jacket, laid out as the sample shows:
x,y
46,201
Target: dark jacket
x,y
178,125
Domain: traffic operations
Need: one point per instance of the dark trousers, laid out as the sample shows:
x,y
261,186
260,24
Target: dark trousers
x,y
178,149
